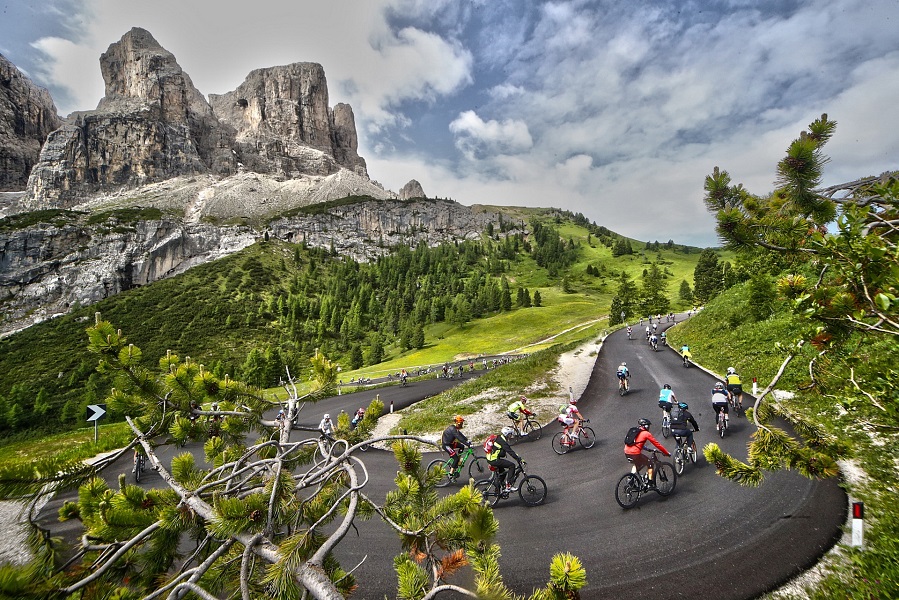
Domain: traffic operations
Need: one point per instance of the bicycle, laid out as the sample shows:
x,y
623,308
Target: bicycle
x,y
563,441
476,469
666,423
721,421
686,358
654,344
633,485
622,386
530,428
139,462
531,488
683,453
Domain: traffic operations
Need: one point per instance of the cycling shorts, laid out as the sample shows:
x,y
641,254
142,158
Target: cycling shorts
x,y
717,406
622,375
512,415
735,388
666,406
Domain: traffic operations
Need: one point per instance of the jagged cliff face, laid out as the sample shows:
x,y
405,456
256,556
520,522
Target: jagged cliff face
x,y
284,124
45,269
27,116
151,125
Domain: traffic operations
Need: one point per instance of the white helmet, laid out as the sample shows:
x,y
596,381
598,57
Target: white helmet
x,y
327,416
731,370
507,431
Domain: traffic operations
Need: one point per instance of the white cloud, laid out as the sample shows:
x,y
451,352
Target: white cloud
x,y
474,136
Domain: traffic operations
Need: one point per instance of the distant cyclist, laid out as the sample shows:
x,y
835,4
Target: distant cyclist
x,y
571,418
635,453
629,331
719,399
623,374
518,407
735,388
327,427
667,399
654,341
506,470
452,442
681,419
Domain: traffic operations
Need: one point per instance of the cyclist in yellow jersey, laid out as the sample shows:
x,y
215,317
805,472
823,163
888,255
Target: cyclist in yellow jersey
x,y
735,388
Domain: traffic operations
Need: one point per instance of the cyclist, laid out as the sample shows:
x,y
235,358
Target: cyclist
x,y
666,400
685,352
327,427
623,374
719,401
664,337
629,331
635,453
452,441
515,408
654,341
735,388
648,333
506,470
680,418
571,417
360,414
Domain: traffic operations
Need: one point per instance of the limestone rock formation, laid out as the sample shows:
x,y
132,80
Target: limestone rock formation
x,y
284,124
27,116
152,124
411,190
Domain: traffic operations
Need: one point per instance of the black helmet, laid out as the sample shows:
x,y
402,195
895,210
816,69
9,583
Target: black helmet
x,y
667,386
644,423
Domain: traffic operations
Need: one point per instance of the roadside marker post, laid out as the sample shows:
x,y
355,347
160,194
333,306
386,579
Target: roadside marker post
x,y
94,412
755,386
858,524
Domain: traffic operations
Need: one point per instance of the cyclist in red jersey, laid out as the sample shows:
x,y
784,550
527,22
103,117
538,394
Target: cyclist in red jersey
x,y
635,452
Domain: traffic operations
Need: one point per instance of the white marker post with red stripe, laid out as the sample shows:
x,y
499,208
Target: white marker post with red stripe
x,y
858,522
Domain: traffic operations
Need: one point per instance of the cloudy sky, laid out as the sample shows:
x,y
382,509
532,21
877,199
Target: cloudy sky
x,y
616,109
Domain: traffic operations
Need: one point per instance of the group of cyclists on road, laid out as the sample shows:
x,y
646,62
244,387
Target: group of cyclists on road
x,y
500,454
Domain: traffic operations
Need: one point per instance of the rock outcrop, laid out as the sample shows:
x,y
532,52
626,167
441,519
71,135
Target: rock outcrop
x,y
47,268
151,125
411,190
284,124
27,116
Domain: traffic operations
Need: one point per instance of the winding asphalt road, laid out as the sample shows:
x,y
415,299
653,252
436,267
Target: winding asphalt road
x,y
710,539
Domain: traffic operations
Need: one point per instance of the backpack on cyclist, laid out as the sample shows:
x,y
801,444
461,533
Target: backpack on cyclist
x,y
631,438
677,416
489,443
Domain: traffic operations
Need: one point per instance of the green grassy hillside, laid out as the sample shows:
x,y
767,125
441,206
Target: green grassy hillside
x,y
273,304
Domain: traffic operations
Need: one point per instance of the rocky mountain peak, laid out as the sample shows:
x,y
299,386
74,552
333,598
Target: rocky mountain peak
x,y
411,190
27,116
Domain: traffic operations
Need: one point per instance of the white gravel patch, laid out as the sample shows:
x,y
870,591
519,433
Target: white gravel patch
x,y
13,534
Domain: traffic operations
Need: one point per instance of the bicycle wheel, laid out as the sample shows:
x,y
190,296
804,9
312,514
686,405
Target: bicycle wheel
x,y
621,390
692,452
665,478
679,461
560,447
587,437
533,430
666,428
721,425
489,491
441,464
532,490
138,468
478,468
627,492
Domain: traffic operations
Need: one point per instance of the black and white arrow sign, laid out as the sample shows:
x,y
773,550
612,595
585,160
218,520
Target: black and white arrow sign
x,y
95,411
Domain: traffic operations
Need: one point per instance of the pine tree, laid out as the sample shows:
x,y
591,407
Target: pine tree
x,y
538,299
707,277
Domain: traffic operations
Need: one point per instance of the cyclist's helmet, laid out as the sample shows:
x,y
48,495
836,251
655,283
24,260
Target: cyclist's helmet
x,y
572,400
458,421
507,431
623,364
644,423
683,405
667,386
731,370
327,417
719,386
523,398
281,412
